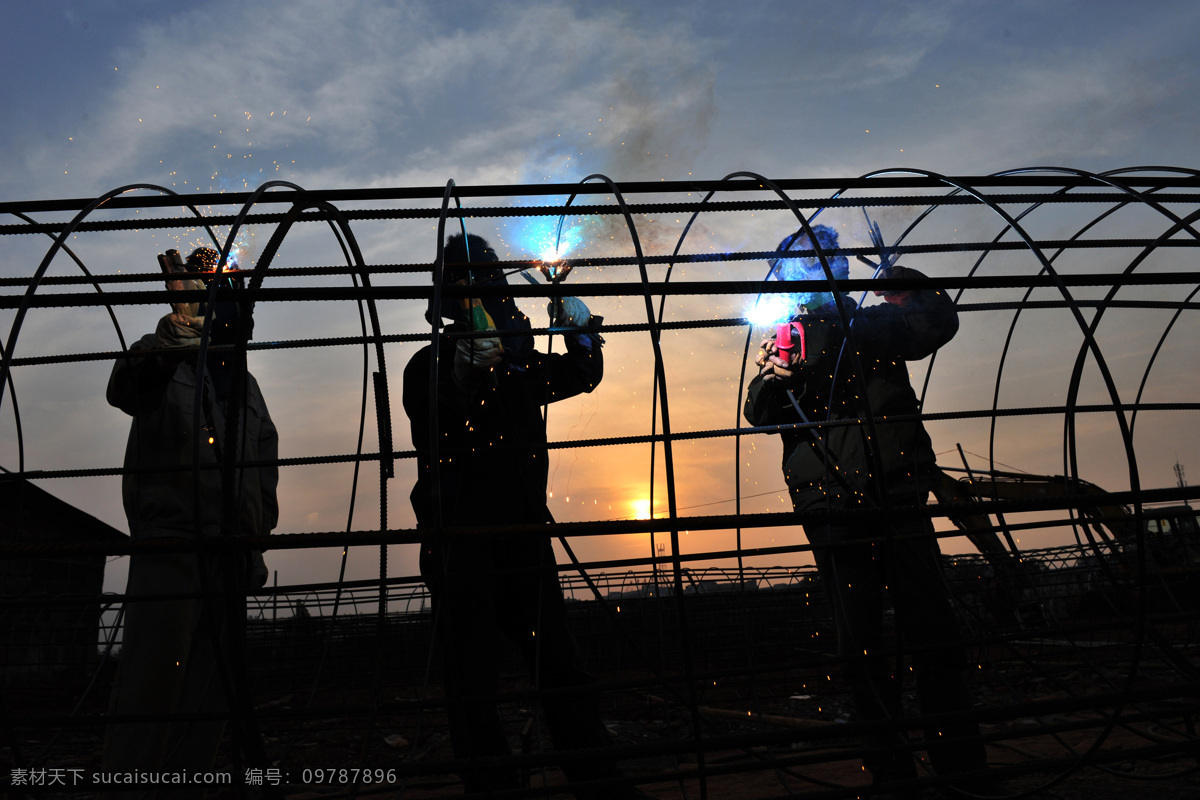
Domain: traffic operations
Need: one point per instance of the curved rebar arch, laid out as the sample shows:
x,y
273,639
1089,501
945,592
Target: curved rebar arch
x,y
1007,536
340,225
1071,467
737,460
60,243
1126,436
668,460
749,333
698,571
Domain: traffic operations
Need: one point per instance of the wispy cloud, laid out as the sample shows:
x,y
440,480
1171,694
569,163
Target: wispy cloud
x,y
373,92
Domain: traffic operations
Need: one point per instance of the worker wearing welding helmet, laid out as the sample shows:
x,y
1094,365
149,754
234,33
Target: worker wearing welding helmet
x,y
491,468
863,448
171,644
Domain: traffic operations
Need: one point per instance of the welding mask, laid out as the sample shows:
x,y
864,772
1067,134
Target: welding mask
x,y
474,259
808,268
227,314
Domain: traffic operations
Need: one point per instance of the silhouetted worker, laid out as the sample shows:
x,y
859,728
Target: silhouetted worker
x,y
846,466
491,470
173,647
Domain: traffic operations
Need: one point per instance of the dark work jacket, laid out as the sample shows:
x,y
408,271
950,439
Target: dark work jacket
x,y
492,455
840,466
159,393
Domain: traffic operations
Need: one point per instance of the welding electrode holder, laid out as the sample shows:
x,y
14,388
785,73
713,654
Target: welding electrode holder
x,y
555,272
787,336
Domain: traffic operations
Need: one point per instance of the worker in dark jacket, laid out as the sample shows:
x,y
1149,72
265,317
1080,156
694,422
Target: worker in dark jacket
x,y
491,469
176,639
863,447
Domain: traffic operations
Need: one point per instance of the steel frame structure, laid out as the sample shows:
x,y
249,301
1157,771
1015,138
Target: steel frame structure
x,y
1137,641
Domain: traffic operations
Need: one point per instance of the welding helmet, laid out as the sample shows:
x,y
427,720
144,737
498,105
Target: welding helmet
x,y
474,257
808,268
227,314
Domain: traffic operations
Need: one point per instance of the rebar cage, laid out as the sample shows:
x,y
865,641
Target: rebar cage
x,y
1072,554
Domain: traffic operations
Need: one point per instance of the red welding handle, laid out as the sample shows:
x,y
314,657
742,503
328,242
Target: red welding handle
x,y
786,338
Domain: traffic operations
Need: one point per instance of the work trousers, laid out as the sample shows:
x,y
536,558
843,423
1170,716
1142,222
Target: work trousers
x,y
901,558
486,588
168,669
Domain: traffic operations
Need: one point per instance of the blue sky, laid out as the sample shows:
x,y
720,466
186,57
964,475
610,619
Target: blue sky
x,y
224,95
377,93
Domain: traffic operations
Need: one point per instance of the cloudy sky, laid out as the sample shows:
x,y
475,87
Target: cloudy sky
x,y
222,96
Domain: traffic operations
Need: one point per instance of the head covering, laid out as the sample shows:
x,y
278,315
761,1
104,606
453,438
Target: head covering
x,y
808,268
474,259
203,259
226,313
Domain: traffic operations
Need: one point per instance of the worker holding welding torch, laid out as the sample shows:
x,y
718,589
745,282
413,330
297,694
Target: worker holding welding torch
x,y
182,617
811,372
491,467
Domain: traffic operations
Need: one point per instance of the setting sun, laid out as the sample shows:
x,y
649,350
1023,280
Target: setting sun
x,y
641,508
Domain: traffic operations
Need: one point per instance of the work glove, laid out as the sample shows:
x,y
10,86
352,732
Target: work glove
x,y
899,297
569,312
775,363
480,354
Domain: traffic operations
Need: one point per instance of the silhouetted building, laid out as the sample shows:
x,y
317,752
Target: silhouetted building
x,y
49,604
